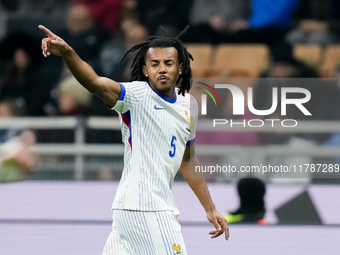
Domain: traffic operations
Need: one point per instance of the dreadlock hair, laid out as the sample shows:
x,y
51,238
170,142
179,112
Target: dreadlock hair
x,y
184,81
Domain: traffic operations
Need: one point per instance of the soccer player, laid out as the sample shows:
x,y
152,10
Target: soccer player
x,y
158,130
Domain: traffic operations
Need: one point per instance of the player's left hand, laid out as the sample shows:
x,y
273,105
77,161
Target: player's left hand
x,y
220,224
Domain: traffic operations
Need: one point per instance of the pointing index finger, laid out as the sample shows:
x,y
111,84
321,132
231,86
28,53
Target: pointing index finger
x,y
47,31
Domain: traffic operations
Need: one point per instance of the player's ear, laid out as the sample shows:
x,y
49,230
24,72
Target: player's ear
x,y
180,68
145,72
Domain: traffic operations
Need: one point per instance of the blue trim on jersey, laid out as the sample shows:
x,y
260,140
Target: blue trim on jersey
x,y
122,92
191,142
165,98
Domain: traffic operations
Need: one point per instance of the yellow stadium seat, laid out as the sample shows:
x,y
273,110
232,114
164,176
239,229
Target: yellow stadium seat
x,y
245,60
202,54
310,54
331,60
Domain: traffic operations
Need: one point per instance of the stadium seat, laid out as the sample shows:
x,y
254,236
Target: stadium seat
x,y
245,60
310,54
331,60
202,54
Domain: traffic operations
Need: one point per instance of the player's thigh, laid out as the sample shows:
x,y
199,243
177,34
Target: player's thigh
x,y
150,232
114,245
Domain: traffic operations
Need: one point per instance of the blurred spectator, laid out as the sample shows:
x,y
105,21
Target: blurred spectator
x,y
129,11
114,49
210,20
218,14
267,23
105,13
170,14
72,99
318,22
251,192
68,99
17,162
23,78
283,64
83,35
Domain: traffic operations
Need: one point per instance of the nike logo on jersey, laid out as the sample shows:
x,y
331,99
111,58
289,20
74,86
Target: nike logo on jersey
x,y
158,108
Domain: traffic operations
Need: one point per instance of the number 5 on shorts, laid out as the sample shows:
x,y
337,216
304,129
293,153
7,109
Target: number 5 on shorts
x,y
173,151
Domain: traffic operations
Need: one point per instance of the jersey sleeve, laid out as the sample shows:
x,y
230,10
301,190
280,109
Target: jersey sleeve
x,y
131,94
194,114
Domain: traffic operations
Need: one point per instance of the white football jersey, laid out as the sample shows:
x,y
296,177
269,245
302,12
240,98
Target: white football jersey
x,y
155,131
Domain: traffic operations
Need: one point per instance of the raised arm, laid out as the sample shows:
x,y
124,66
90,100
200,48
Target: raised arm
x,y
199,186
106,89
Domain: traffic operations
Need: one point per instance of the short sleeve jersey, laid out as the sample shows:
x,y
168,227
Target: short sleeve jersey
x,y
155,131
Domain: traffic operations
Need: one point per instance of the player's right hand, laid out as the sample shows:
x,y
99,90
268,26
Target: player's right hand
x,y
53,44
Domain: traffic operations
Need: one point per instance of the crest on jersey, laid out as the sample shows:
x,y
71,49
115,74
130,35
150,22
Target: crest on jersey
x,y
190,121
178,249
